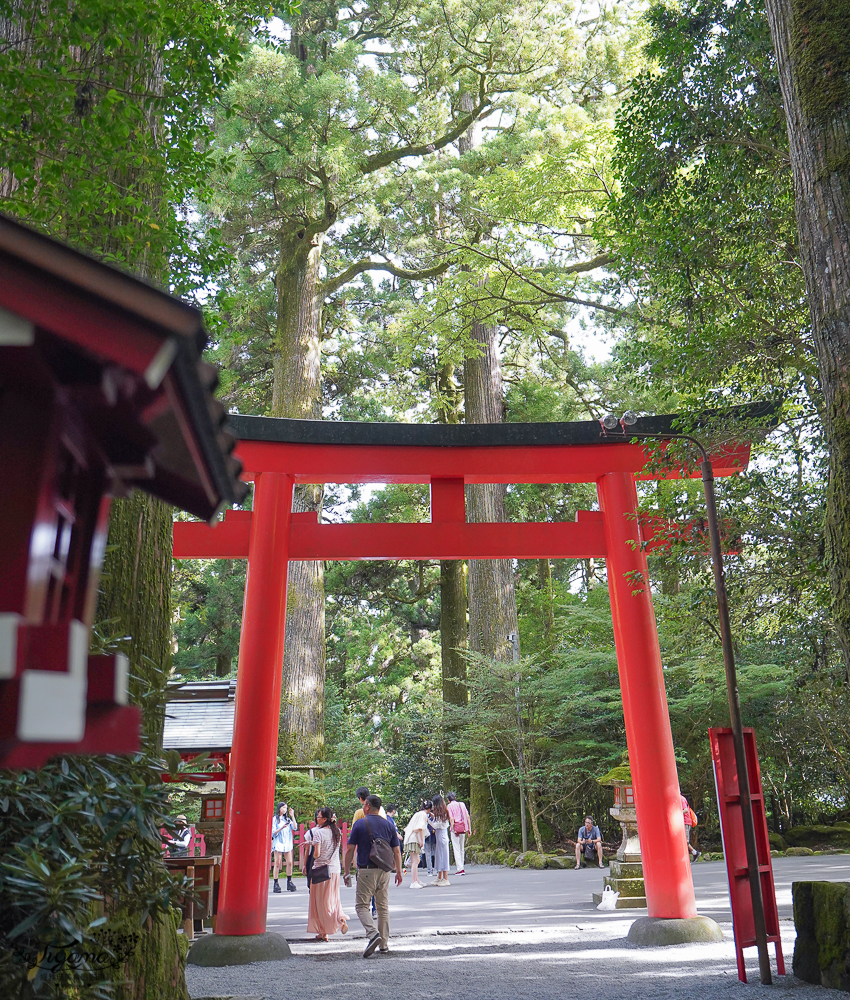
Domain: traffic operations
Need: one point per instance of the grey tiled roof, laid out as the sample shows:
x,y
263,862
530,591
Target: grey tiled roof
x,y
199,717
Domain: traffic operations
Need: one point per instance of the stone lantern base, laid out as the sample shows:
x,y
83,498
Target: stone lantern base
x,y
626,869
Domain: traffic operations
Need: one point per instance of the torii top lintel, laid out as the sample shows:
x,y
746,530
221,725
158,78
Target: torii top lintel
x,y
448,457
324,451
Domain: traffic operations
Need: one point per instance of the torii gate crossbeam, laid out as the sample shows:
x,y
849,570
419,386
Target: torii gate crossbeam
x,y
278,453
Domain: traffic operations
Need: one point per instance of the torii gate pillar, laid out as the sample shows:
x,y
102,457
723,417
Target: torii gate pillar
x,y
250,790
666,866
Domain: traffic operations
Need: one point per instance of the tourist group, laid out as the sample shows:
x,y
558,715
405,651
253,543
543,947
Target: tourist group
x,y
375,847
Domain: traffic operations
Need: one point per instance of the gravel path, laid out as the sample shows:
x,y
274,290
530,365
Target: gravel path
x,y
455,946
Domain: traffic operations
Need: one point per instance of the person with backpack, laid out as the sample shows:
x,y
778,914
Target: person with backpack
x,y
588,843
690,818
378,852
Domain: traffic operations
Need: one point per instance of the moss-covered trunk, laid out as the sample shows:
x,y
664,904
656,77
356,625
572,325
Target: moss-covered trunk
x,y
492,597
452,617
297,393
812,43
452,648
135,600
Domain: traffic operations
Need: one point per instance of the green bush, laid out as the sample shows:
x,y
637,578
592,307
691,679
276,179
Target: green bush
x,y
80,845
819,836
799,852
777,842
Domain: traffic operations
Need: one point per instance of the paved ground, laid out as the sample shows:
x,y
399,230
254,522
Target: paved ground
x,y
500,932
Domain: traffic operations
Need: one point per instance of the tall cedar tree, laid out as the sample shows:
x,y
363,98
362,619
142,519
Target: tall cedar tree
x,y
812,43
341,108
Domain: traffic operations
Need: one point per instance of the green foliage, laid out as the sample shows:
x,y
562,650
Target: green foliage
x,y
209,616
104,122
79,841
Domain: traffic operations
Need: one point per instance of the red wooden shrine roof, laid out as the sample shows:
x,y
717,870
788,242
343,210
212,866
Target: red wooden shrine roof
x,y
112,336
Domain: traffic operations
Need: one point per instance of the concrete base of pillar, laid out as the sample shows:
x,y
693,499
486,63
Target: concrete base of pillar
x,y
216,950
649,932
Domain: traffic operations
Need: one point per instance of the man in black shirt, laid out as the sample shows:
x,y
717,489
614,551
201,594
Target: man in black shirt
x,y
372,879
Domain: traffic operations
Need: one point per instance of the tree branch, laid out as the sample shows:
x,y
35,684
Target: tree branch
x,y
350,273
379,160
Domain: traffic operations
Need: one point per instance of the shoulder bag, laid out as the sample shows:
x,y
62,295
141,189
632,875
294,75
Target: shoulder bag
x,y
380,853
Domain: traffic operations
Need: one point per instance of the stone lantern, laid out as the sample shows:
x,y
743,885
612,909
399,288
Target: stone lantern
x,y
626,872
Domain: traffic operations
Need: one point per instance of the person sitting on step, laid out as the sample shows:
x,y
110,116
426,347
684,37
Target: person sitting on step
x,y
588,842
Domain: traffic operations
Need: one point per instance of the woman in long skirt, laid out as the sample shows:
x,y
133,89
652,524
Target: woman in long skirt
x,y
325,915
440,823
414,840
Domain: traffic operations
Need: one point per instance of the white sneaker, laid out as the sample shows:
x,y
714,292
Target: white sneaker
x,y
416,885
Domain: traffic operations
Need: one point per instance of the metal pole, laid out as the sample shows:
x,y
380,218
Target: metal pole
x,y
513,638
737,726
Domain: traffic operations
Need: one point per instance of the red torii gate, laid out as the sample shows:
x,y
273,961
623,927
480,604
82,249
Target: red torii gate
x,y
278,453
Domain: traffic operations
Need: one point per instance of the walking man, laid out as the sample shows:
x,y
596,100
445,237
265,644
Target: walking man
x,y
374,871
460,827
589,842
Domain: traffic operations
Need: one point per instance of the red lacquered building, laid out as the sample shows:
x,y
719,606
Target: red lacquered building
x,y
102,390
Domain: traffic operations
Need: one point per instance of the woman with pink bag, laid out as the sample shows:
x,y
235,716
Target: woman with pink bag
x,y
459,827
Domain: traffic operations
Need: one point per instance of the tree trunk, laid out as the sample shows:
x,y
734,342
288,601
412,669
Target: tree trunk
x,y
544,578
812,43
452,614
452,646
223,663
492,597
135,600
534,815
297,393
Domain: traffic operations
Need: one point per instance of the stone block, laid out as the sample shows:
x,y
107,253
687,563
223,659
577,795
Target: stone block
x,y
218,950
624,902
650,932
626,869
822,920
799,852
626,886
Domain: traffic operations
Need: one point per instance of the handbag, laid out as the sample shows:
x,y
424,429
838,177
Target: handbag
x,y
459,826
320,873
380,853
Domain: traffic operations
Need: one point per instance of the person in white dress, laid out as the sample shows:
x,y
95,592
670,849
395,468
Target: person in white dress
x,y
414,840
283,827
440,826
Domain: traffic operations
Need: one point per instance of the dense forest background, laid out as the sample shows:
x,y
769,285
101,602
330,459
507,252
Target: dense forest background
x,y
507,210
445,211
522,212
